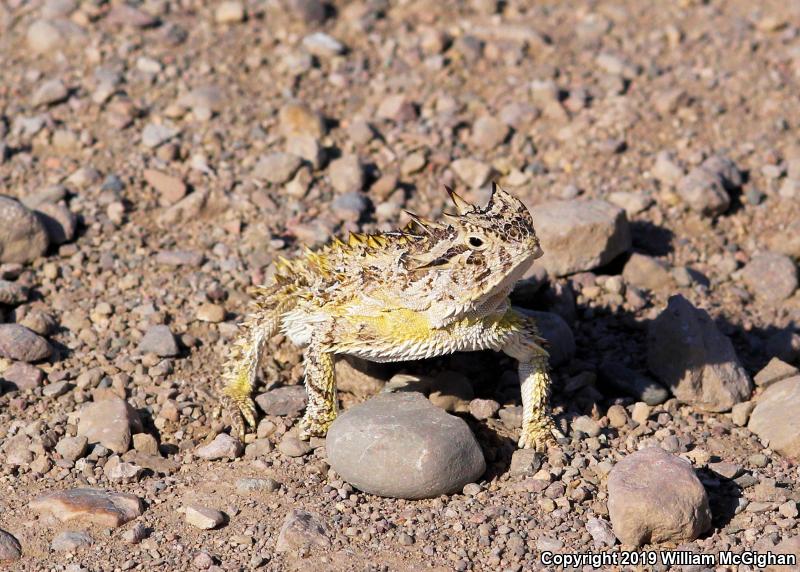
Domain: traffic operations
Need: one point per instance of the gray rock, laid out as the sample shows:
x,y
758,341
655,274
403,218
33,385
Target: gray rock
x,y
180,258
17,450
483,408
633,383
38,321
726,170
666,169
632,203
258,448
771,276
554,329
23,237
12,293
322,45
488,132
789,545
790,189
601,532
203,517
648,273
511,416
397,108
688,354
358,376
740,413
518,114
472,172
617,416
229,12
408,382
10,548
222,447
784,239
110,422
56,389
71,540
72,448
525,462
98,506
22,376
451,391
50,92
549,543
296,118
292,446
705,188
350,206
655,497
117,470
19,343
44,36
59,222
580,235
283,401
307,148
309,11
171,189
775,370
160,341
136,534
156,134
246,486
775,417
302,530
399,445
277,168
346,174
587,425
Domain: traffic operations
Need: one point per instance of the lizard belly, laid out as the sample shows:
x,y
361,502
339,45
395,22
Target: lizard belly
x,y
399,335
298,325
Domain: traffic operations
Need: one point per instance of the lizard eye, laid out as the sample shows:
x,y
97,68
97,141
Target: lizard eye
x,y
475,242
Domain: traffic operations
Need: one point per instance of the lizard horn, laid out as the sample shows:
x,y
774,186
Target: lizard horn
x,y
462,206
423,224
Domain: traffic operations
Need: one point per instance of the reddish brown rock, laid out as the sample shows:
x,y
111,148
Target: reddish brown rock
x,y
97,506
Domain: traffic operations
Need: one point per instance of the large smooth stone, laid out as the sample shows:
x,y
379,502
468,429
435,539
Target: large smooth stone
x,y
580,235
776,417
400,445
687,353
655,497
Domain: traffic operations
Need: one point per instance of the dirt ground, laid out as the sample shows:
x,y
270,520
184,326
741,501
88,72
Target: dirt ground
x,y
592,92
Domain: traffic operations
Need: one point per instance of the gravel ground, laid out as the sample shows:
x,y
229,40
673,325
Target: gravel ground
x,y
156,156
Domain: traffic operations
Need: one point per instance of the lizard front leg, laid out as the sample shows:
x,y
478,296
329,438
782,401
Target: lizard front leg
x,y
538,429
239,374
321,388
241,367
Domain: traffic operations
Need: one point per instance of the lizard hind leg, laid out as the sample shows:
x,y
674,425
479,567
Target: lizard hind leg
x,y
321,388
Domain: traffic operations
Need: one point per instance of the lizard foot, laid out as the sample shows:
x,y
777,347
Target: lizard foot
x,y
313,427
538,436
243,413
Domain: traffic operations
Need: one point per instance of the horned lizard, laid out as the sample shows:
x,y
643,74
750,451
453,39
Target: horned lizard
x,y
430,289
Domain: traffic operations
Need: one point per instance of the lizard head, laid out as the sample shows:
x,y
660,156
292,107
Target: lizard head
x,y
478,254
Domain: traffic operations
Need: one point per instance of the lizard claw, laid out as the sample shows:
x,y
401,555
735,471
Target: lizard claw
x,y
539,436
312,428
244,415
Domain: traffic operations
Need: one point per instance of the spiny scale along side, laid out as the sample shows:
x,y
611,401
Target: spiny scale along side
x,y
430,289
